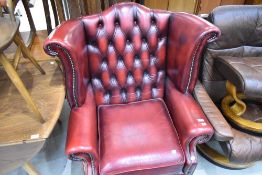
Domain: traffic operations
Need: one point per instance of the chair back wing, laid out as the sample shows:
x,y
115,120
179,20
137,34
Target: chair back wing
x,y
188,35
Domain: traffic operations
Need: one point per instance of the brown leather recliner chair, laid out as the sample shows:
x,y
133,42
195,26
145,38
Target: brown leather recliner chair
x,y
129,74
233,64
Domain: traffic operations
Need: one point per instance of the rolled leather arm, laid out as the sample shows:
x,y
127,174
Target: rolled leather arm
x,y
223,131
191,123
68,42
82,134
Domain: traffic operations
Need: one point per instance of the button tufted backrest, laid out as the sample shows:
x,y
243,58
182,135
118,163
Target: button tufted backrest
x,y
126,48
127,51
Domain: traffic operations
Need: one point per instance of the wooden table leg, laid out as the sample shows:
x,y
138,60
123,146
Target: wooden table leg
x,y
30,169
12,74
19,42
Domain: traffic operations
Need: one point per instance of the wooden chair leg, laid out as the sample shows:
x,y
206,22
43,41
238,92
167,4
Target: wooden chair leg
x,y
20,86
31,22
30,169
58,62
17,57
59,121
19,42
54,12
60,11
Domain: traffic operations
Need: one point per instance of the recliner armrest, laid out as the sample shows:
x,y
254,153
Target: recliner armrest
x,y
222,129
191,123
82,134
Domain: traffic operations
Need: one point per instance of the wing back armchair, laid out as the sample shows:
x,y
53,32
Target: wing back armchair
x,y
129,74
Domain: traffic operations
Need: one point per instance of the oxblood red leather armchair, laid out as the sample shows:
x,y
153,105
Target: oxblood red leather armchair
x,y
129,74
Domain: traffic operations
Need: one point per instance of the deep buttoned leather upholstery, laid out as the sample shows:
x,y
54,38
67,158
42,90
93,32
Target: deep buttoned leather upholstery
x,y
127,50
119,62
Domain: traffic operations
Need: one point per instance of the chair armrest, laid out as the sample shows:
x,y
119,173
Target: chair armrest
x,y
82,134
191,123
188,35
223,131
68,42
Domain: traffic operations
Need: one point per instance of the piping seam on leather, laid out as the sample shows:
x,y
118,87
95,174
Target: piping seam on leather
x,y
53,53
194,55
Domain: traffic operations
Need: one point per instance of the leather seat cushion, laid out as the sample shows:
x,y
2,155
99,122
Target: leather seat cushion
x,y
138,138
244,72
